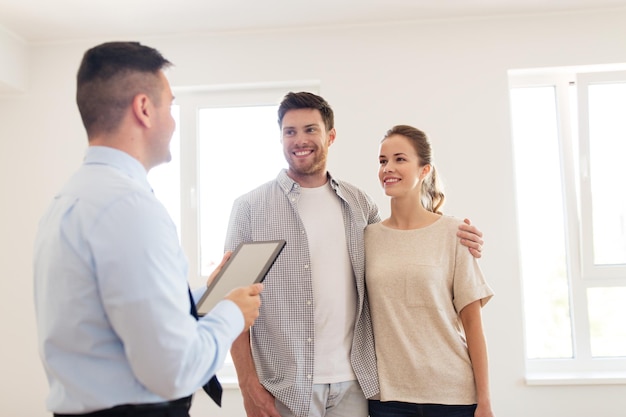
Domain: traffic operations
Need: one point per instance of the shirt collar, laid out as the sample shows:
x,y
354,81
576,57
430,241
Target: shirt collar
x,y
288,184
104,155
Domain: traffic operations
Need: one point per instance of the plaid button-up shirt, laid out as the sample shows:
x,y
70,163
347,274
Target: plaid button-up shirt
x,y
282,337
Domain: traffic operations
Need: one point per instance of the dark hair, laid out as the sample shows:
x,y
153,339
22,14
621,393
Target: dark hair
x,y
306,100
432,195
110,76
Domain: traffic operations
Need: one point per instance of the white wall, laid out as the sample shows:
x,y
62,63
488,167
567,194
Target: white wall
x,y
447,77
13,56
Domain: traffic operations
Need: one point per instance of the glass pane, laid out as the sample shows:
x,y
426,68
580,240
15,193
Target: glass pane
x,y
541,223
607,309
165,178
607,147
238,149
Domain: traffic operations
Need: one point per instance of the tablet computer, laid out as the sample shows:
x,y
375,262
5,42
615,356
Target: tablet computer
x,y
248,264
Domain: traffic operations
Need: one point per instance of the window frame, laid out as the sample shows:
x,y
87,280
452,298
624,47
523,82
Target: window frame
x,y
609,274
190,100
582,368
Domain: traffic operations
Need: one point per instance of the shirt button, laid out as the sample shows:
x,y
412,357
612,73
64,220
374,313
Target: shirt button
x,y
309,340
308,376
293,199
306,267
308,302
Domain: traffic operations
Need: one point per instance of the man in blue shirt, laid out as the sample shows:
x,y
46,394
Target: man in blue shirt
x,y
114,312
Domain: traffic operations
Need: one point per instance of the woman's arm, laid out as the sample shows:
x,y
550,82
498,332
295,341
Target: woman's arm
x,y
477,347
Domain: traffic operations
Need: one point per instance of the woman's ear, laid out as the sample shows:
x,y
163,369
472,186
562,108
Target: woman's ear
x,y
425,171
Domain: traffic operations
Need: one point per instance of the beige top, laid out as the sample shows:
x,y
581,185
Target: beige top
x,y
417,282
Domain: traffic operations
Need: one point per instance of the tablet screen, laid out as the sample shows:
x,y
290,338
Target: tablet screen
x,y
249,263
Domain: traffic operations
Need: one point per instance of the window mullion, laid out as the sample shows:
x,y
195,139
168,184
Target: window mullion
x,y
591,270
189,204
585,178
580,322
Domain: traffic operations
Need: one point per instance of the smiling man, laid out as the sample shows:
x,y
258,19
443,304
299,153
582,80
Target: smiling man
x,y
305,145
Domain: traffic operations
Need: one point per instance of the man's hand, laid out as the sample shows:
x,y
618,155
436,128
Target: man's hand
x,y
218,268
471,237
248,301
257,401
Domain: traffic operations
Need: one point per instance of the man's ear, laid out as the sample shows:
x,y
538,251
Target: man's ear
x,y
332,134
141,106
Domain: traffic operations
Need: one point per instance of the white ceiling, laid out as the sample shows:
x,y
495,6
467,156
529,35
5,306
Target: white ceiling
x,y
58,20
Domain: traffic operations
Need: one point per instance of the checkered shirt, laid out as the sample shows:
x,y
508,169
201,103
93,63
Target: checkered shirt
x,y
282,337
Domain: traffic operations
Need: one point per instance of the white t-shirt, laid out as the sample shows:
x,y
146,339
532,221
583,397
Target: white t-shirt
x,y
334,286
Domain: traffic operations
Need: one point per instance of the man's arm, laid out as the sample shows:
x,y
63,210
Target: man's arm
x,y
471,237
257,401
144,293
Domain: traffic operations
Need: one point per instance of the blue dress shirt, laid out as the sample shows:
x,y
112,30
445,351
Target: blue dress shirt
x,y
111,295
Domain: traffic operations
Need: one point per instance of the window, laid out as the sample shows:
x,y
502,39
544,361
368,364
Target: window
x,y
227,142
238,149
165,178
569,138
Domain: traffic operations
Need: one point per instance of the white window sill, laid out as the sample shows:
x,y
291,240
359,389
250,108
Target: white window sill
x,y
228,377
576,378
228,384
